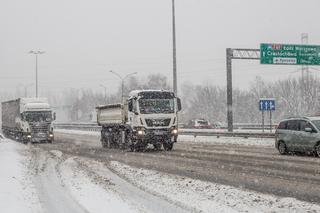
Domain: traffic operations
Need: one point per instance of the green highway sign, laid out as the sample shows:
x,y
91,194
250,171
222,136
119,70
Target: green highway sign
x,y
289,54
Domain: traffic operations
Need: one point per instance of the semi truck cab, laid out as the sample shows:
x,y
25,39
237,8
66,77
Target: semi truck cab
x,y
36,122
28,120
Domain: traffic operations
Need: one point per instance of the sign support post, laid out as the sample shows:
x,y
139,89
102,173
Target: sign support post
x,y
262,113
270,121
267,104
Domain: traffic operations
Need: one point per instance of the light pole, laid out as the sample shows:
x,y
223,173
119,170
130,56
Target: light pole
x,y
36,53
122,81
105,92
175,87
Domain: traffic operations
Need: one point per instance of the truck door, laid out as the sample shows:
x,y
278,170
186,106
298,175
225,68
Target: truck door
x,y
130,111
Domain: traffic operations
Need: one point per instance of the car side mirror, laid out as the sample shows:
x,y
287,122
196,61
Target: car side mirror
x,y
308,129
54,116
179,104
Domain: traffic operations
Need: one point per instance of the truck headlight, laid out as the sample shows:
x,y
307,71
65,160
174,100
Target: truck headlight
x,y
140,132
174,131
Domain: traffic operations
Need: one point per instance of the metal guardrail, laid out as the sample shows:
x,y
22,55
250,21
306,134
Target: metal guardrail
x,y
227,134
92,127
194,132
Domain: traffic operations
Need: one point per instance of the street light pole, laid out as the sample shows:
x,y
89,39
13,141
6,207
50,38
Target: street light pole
x,y
175,87
122,80
105,91
36,53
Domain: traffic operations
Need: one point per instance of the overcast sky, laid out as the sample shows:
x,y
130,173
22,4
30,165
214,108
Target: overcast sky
x,y
83,40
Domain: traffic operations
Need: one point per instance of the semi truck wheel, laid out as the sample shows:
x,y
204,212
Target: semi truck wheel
x,y
105,142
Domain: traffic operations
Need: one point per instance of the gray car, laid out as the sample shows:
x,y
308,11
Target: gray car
x,y
301,134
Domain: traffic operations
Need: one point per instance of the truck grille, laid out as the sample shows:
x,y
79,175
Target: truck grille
x,y
158,122
40,127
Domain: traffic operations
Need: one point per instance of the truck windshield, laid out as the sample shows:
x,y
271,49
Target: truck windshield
x,y
38,116
149,106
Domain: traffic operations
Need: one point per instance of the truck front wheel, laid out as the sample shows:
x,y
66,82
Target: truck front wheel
x,y
168,145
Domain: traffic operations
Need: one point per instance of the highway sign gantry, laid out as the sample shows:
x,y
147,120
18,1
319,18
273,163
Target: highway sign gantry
x,y
289,54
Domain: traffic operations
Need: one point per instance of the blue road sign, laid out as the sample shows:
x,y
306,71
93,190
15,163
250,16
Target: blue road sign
x,y
267,104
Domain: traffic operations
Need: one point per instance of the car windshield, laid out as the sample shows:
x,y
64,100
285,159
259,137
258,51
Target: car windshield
x,y
149,106
203,122
38,116
316,123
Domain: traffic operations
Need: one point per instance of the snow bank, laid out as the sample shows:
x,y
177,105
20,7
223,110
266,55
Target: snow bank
x,y
209,197
92,196
17,192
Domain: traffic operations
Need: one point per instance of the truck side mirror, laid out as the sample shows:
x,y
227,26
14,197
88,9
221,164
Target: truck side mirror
x,y
54,116
22,117
179,104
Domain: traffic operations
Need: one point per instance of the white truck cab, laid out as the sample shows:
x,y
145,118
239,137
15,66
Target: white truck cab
x,y
28,119
147,117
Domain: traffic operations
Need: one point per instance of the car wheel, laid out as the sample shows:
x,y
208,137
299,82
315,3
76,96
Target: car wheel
x,y
282,148
317,150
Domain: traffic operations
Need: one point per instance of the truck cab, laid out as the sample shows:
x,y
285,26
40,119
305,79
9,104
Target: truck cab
x,y
36,120
146,117
152,114
28,120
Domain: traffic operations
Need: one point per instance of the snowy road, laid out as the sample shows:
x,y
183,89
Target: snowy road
x,y
250,166
75,174
255,167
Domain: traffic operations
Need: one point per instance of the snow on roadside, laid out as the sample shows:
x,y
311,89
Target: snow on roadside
x,y
206,196
17,192
92,196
